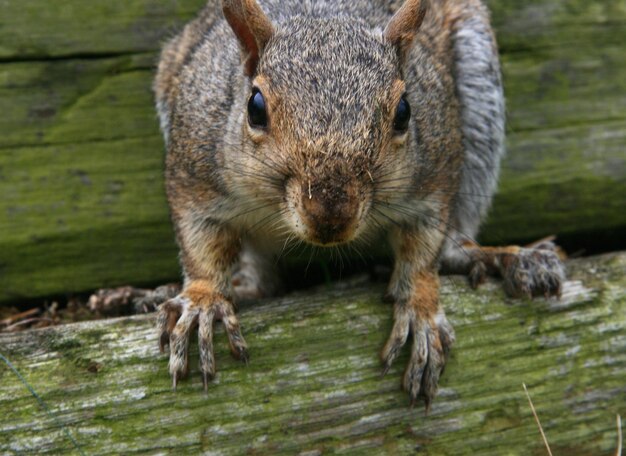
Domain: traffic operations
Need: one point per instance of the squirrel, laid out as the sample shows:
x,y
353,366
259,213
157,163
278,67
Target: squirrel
x,y
334,122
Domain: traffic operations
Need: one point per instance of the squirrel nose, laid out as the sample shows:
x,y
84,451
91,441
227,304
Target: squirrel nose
x,y
330,212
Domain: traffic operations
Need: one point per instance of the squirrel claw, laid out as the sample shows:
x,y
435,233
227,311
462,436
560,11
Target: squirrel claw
x,y
168,314
431,343
427,403
176,320
477,274
245,357
206,378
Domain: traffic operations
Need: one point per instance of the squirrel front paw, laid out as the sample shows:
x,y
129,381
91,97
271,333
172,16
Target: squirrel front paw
x,y
179,316
526,271
432,339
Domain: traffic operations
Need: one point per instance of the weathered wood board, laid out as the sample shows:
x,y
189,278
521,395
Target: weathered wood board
x,y
82,204
313,384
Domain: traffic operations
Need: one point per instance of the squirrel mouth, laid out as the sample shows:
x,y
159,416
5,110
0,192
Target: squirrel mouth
x,y
330,234
324,214
329,223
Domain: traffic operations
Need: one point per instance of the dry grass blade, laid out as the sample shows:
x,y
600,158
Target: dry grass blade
x,y
20,316
619,436
532,407
29,321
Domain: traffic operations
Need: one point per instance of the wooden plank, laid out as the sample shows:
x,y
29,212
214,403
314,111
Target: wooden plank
x,y
565,83
81,177
30,29
561,181
313,383
81,157
73,224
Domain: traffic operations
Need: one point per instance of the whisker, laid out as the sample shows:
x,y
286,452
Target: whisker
x,y
275,166
265,221
424,217
248,211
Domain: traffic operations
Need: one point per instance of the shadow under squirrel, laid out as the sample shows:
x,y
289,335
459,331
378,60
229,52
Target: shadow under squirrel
x,y
331,122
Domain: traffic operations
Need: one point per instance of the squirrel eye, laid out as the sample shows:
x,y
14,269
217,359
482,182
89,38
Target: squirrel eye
x,y
257,115
403,115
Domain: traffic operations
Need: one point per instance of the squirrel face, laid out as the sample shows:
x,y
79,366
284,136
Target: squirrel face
x,y
324,129
327,119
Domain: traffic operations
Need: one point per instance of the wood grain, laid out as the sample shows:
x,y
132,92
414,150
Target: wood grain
x,y
313,384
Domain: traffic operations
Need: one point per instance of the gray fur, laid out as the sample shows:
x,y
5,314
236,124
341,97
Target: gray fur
x,y
210,106
330,166
480,92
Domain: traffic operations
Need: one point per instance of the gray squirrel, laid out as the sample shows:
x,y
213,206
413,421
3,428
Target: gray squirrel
x,y
331,122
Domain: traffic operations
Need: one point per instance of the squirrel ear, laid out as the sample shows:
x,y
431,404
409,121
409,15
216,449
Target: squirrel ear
x,y
403,26
252,28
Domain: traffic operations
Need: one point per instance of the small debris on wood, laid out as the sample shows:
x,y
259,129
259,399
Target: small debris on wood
x,y
109,302
94,367
31,318
19,316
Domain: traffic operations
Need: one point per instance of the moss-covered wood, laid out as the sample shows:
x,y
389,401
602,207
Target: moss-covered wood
x,y
82,202
313,384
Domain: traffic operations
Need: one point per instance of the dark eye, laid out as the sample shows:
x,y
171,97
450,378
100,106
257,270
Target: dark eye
x,y
403,114
257,115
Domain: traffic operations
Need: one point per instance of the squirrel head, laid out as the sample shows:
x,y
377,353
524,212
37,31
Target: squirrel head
x,y
326,121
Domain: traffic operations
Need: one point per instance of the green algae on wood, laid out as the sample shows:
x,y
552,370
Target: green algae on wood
x,y
30,29
313,382
83,205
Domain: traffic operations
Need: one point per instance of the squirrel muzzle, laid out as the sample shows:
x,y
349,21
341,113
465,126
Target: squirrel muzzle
x,y
327,213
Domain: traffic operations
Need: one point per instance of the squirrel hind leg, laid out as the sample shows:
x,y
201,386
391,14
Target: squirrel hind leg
x,y
255,276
